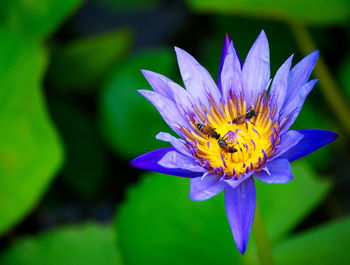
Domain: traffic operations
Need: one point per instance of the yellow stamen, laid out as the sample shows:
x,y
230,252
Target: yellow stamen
x,y
253,139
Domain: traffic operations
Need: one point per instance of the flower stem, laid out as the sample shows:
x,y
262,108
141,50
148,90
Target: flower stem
x,y
329,87
261,240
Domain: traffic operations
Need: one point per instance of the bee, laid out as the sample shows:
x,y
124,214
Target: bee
x,y
245,117
208,130
224,146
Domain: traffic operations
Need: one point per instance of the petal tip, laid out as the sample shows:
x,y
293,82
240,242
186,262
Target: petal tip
x,y
227,39
313,56
134,162
144,71
262,35
178,50
242,248
333,136
143,92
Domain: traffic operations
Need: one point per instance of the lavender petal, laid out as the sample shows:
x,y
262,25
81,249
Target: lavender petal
x,y
231,75
279,85
278,171
167,109
178,144
300,74
173,159
240,209
205,188
197,80
256,69
291,111
288,140
149,161
312,140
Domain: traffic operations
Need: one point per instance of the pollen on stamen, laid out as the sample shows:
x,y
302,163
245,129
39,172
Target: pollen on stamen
x,y
244,146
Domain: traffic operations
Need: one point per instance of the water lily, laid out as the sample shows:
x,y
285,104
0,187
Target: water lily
x,y
235,130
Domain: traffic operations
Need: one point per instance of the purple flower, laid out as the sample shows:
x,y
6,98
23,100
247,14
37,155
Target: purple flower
x,y
233,131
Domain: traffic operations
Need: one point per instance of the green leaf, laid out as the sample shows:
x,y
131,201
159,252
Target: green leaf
x,y
88,60
88,244
30,152
35,18
86,166
284,206
322,12
161,221
324,245
129,122
166,227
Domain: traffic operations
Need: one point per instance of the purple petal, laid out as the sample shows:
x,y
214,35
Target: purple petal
x,y
240,209
288,140
300,74
178,144
149,161
312,140
173,159
291,111
205,188
224,53
196,78
279,85
169,89
185,103
231,74
234,183
158,83
167,109
278,171
256,69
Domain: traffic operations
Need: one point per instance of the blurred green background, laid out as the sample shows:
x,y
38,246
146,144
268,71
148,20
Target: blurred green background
x,y
71,120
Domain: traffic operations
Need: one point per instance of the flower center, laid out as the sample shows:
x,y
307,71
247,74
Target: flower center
x,y
233,139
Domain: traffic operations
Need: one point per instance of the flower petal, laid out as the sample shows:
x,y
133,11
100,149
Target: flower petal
x,y
160,84
300,74
178,144
149,161
279,85
256,69
291,111
234,183
203,188
231,74
278,171
288,140
184,101
196,78
167,109
312,140
224,53
240,209
173,159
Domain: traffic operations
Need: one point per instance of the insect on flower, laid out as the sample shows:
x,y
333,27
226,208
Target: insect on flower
x,y
245,117
262,149
223,145
208,130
